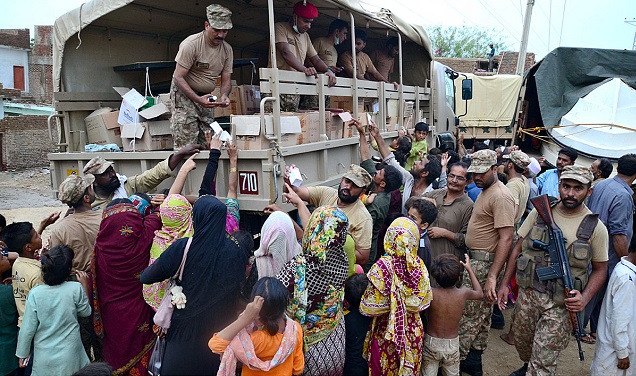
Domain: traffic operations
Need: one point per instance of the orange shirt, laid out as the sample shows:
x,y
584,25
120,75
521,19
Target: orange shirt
x,y
265,347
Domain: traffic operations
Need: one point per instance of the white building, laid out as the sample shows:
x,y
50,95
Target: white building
x,y
14,59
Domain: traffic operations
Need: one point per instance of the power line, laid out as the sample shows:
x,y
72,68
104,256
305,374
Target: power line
x,y
562,21
550,25
497,19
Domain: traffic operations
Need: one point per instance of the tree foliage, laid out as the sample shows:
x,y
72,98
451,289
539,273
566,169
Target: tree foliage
x,y
465,41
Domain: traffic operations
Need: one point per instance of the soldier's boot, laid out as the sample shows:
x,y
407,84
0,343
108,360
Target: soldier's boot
x,y
472,364
521,371
497,320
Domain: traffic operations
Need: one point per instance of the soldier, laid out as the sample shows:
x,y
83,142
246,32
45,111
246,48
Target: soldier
x,y
202,57
488,239
542,324
516,164
293,46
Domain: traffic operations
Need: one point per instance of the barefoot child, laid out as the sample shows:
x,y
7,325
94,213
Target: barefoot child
x,y
441,348
274,348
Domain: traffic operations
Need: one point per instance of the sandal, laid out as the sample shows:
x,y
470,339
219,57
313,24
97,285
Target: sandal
x,y
590,339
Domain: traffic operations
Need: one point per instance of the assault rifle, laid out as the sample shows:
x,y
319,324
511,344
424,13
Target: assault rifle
x,y
559,264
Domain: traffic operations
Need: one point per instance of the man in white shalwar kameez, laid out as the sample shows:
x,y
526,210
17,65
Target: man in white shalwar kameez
x,y
616,338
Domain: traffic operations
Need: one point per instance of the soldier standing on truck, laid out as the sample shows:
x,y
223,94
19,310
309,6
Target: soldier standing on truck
x,y
202,57
542,326
293,46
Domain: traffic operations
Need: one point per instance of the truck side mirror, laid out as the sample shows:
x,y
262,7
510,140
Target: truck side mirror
x,y
467,89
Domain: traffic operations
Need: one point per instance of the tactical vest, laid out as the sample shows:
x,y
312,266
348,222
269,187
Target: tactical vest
x,y
579,256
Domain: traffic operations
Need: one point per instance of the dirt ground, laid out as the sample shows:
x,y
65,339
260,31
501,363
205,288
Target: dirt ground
x,y
27,196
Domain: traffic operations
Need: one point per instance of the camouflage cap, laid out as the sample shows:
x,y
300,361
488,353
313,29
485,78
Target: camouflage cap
x,y
219,16
358,175
519,158
482,161
97,165
72,189
578,173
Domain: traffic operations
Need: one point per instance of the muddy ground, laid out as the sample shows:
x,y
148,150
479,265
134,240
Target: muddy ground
x,y
27,196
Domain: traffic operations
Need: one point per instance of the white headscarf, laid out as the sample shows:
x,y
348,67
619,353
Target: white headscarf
x,y
278,244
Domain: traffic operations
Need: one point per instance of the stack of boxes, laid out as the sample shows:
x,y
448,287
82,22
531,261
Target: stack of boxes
x,y
150,127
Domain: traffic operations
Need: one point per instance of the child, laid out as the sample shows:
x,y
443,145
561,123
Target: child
x,y
22,238
616,342
419,148
275,348
441,347
50,318
423,212
398,291
356,326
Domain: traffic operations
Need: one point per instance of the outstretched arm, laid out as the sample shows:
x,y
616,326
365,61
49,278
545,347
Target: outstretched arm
x,y
232,152
179,181
213,164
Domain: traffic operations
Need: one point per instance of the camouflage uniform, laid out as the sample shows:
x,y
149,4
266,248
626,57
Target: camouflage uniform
x,y
189,120
475,321
289,102
307,102
541,330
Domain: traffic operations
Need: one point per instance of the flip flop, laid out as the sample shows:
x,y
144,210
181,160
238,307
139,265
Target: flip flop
x,y
590,339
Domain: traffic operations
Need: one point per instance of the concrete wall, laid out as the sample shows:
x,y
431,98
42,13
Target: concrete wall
x,y
25,142
10,56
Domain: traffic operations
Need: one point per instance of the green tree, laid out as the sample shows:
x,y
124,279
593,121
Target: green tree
x,y
465,41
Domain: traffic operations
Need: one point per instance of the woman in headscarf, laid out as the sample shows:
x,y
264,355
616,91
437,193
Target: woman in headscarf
x,y
316,280
213,272
278,244
121,316
176,219
398,290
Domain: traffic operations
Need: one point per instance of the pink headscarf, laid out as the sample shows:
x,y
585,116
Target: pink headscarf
x,y
242,349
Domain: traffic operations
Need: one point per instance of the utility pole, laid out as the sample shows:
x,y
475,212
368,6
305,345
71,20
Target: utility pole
x,y
633,23
521,61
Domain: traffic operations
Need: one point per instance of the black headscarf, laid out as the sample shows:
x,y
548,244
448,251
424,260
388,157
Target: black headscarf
x,y
213,272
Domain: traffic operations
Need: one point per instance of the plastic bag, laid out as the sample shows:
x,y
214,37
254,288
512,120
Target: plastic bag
x,y
156,358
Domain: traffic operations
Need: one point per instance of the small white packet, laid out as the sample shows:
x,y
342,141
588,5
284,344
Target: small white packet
x,y
216,127
295,178
345,116
225,137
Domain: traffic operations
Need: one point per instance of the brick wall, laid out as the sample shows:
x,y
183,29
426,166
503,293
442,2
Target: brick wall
x,y
25,142
15,38
460,65
508,62
40,65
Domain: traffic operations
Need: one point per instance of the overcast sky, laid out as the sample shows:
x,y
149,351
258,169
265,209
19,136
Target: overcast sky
x,y
574,23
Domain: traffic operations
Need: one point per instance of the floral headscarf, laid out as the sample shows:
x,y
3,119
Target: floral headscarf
x,y
318,274
400,281
176,219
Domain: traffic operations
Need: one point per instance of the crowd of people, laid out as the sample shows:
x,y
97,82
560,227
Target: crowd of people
x,y
401,269
395,272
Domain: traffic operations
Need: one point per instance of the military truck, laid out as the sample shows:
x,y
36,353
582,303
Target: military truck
x,y
132,43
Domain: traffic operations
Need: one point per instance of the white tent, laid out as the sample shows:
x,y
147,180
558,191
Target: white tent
x,y
601,124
